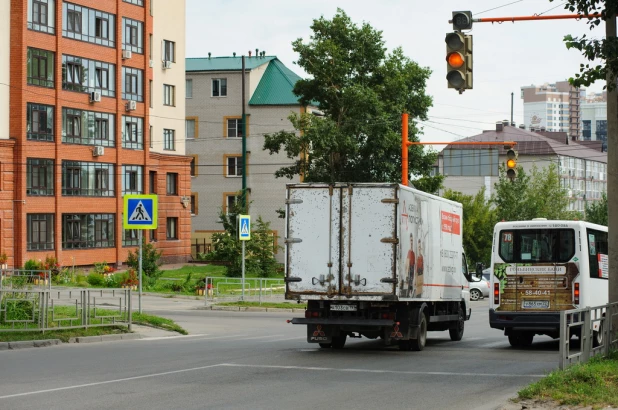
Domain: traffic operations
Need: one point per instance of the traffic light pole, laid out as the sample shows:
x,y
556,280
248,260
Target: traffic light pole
x,y
527,18
405,143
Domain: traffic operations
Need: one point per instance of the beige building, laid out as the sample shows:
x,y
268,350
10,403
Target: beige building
x,y
214,139
582,164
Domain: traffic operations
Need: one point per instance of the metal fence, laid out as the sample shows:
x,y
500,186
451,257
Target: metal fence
x,y
20,278
594,328
255,289
30,309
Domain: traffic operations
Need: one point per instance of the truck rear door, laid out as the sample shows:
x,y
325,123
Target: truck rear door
x,y
368,239
312,239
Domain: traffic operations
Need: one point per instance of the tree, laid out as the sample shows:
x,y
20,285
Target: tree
x,y
479,219
151,261
534,195
259,250
596,212
362,92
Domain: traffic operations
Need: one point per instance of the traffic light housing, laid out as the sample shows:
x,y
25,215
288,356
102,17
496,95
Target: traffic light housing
x,y
459,61
511,164
462,20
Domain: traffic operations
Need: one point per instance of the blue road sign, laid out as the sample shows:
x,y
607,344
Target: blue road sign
x,y
244,229
140,212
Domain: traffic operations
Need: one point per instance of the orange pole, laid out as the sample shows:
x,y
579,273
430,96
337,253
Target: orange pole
x,y
404,149
524,18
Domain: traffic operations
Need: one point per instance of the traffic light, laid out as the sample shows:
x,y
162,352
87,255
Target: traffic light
x,y
511,164
459,61
462,20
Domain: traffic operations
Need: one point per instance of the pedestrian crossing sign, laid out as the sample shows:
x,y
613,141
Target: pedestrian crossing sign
x,y
140,212
244,228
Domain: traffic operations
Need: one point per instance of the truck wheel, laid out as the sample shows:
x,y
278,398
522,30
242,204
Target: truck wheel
x,y
339,341
526,338
457,332
419,344
325,345
514,339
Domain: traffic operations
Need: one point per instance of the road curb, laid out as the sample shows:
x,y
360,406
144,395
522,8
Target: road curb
x,y
26,344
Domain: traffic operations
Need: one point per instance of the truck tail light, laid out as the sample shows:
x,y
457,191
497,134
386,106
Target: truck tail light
x,y
389,315
576,293
311,313
496,293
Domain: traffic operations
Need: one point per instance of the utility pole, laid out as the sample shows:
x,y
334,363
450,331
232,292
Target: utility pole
x,y
612,168
244,142
512,110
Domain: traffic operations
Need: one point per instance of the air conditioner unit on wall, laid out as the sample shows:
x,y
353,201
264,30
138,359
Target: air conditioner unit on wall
x,y
151,63
98,151
95,96
126,54
167,64
131,105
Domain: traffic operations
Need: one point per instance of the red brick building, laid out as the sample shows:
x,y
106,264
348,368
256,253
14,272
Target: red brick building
x,y
86,82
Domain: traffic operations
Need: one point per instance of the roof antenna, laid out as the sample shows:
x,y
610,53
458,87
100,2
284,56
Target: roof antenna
x,y
249,53
209,55
234,53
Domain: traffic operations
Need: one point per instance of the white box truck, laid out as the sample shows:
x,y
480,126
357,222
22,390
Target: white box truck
x,y
375,260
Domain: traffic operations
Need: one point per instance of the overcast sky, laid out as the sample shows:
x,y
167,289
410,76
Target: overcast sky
x,y
506,56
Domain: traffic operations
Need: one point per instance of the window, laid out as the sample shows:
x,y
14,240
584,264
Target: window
x,y
40,122
83,75
152,179
39,177
193,203
169,92
188,88
169,142
40,232
88,127
169,51
172,228
537,245
132,179
193,166
136,2
190,128
234,167
87,231
40,67
150,136
133,137
132,84
90,25
74,21
172,184
229,203
234,128
597,249
87,179
130,237
132,35
153,235
219,87
42,15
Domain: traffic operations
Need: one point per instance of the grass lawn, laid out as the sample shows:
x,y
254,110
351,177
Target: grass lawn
x,y
63,335
591,384
283,305
198,271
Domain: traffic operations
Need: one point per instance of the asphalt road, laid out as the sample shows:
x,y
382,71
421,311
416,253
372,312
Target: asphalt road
x,y
254,360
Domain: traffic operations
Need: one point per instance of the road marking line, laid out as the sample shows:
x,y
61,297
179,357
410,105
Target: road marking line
x,y
282,340
332,369
260,337
174,337
184,338
193,369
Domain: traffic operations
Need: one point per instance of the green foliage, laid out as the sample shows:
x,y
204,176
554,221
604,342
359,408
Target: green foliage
x,y
31,264
479,219
96,279
594,48
19,308
259,251
362,92
534,195
596,211
151,261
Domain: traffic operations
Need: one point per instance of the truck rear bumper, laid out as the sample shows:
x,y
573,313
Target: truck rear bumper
x,y
538,321
342,321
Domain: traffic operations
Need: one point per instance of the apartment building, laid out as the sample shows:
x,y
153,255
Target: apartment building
x,y
582,164
87,79
214,138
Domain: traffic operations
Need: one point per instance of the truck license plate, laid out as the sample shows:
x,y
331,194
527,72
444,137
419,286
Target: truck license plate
x,y
345,308
535,304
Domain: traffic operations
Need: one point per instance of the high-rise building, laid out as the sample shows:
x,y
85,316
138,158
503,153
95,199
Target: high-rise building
x,y
93,116
553,107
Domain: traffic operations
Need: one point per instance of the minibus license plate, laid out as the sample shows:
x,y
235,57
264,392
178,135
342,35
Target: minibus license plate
x,y
535,304
345,308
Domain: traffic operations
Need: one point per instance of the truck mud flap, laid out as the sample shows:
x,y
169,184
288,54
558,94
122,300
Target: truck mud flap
x,y
319,334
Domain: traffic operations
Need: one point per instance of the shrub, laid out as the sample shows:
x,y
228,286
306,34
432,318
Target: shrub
x,y
31,264
129,278
151,260
95,279
114,281
51,263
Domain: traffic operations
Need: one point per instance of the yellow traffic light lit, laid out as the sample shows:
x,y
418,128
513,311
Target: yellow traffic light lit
x,y
455,60
459,61
511,164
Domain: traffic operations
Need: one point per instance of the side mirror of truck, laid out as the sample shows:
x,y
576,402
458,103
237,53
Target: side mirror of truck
x,y
479,269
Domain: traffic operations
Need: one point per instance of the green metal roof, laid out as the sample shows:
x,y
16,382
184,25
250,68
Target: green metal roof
x,y
225,63
276,85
